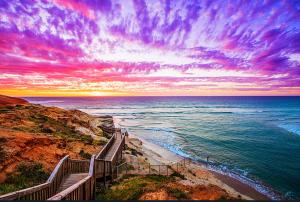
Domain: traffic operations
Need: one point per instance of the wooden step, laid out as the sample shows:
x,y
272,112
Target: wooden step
x,y
71,180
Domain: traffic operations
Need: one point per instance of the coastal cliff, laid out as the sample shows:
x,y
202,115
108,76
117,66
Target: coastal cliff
x,y
35,137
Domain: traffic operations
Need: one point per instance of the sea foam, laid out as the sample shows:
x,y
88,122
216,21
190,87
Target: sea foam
x,y
293,128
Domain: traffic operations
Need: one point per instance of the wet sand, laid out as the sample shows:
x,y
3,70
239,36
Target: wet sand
x,y
240,187
156,154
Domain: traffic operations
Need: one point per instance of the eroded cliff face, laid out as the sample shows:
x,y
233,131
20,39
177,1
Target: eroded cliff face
x,y
23,147
6,100
35,133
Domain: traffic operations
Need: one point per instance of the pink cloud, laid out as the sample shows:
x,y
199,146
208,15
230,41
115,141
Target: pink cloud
x,y
122,43
76,6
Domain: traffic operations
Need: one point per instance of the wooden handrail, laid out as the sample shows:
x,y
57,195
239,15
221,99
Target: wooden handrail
x,y
65,193
121,142
56,169
83,189
92,166
42,191
122,164
19,194
106,147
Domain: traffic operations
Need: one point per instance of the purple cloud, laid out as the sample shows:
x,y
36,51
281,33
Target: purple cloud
x,y
143,40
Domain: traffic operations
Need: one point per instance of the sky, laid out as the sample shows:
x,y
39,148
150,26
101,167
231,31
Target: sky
x,y
149,48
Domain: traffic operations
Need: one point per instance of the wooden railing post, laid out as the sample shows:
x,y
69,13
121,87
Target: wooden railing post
x,y
83,189
93,185
83,192
111,172
104,173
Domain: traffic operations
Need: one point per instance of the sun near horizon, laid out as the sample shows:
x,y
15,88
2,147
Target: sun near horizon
x,y
54,93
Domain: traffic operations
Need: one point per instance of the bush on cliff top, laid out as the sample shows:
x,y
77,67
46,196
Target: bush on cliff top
x,y
28,174
84,154
132,187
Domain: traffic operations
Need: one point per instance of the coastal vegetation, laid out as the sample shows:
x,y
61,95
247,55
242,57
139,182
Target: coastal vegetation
x,y
132,187
33,138
27,174
159,187
84,154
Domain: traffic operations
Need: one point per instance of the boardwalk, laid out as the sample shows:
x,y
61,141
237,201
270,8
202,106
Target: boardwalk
x,y
75,179
114,147
71,180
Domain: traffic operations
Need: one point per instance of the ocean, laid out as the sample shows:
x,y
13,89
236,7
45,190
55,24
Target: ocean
x,y
254,139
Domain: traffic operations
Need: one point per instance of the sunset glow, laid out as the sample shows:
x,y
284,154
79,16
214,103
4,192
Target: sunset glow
x,y
136,48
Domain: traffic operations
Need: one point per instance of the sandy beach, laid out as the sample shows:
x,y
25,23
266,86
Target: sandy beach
x,y
196,173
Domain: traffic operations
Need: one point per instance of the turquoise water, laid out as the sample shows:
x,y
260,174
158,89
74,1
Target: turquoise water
x,y
254,139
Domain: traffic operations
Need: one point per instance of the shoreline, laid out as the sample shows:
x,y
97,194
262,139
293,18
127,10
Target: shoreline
x,y
158,154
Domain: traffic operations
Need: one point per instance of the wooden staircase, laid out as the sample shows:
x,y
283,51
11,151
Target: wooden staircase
x,y
76,179
70,180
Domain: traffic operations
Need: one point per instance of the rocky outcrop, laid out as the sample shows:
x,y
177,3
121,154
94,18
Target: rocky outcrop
x,y
107,125
55,121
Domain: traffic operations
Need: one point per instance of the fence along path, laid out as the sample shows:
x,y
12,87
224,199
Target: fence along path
x,y
76,179
149,169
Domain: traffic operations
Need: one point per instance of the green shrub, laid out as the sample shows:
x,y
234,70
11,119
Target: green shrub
x,y
47,130
100,142
33,171
28,174
177,193
38,118
6,109
132,187
190,171
9,107
135,152
87,139
7,188
2,111
84,154
18,128
176,174
19,106
158,178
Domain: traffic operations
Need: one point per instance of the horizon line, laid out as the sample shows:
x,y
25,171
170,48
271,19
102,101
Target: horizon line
x,y
87,96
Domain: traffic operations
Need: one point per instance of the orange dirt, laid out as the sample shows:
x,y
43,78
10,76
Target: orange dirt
x,y
30,132
6,100
161,194
201,192
47,150
197,192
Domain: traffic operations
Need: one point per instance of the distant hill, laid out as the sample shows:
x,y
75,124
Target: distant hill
x,y
6,100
